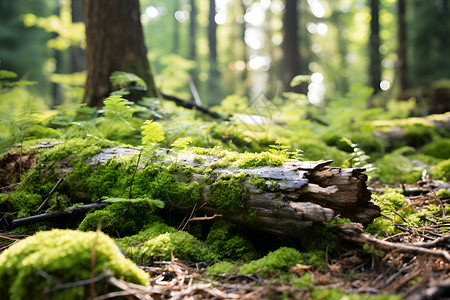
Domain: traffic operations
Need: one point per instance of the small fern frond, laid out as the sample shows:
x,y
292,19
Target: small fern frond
x,y
152,132
181,143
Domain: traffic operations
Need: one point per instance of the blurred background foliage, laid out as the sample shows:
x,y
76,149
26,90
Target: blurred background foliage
x,y
343,110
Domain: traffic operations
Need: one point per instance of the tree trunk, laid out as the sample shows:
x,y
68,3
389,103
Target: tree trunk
x,y
374,46
115,42
78,60
401,45
292,57
193,31
212,39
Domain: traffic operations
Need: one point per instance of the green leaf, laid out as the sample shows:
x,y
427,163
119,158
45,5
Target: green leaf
x,y
181,142
152,132
117,108
7,74
299,79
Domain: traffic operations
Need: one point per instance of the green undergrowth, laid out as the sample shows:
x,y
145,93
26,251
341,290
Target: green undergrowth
x,y
227,241
36,263
396,210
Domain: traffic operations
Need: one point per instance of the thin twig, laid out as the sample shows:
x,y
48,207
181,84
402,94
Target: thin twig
x,y
440,202
134,173
205,218
50,195
93,262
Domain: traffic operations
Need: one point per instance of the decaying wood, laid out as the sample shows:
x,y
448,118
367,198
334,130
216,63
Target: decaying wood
x,y
298,197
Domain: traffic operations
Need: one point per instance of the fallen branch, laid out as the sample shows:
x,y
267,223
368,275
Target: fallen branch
x,y
74,210
192,105
50,194
354,233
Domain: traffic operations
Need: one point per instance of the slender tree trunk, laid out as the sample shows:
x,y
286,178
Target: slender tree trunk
x,y
401,45
212,39
115,42
214,89
292,58
176,31
193,31
77,63
374,45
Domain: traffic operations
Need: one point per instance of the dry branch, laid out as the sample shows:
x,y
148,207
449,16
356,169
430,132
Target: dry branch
x,y
355,233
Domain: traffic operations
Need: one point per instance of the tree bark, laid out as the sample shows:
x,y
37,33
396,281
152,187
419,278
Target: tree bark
x,y
290,46
193,31
114,42
401,45
374,46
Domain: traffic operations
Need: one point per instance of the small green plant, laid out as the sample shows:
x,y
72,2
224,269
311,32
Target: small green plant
x,y
181,143
6,82
152,133
117,110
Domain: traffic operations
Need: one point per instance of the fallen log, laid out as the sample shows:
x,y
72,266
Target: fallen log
x,y
290,200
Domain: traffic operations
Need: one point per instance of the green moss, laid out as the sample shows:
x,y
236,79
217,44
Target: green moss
x,y
443,193
274,262
221,267
120,218
331,294
441,170
249,160
418,135
74,147
158,241
229,192
395,167
66,256
226,240
389,202
439,148
24,203
244,160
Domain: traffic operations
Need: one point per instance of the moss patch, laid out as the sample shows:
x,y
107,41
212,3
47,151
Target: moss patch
x,y
274,262
229,192
66,256
121,218
228,243
158,240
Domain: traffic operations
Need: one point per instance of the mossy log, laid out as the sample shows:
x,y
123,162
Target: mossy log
x,y
291,200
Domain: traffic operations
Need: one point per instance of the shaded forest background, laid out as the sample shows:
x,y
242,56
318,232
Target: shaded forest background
x,y
249,48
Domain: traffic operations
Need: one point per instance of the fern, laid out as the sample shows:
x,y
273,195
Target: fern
x,y
6,83
116,110
153,133
181,143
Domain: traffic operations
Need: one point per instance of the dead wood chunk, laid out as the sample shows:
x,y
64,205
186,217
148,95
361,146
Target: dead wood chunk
x,y
13,165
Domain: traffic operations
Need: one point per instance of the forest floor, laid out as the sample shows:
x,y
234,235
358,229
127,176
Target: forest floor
x,y
395,273
354,271
414,275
